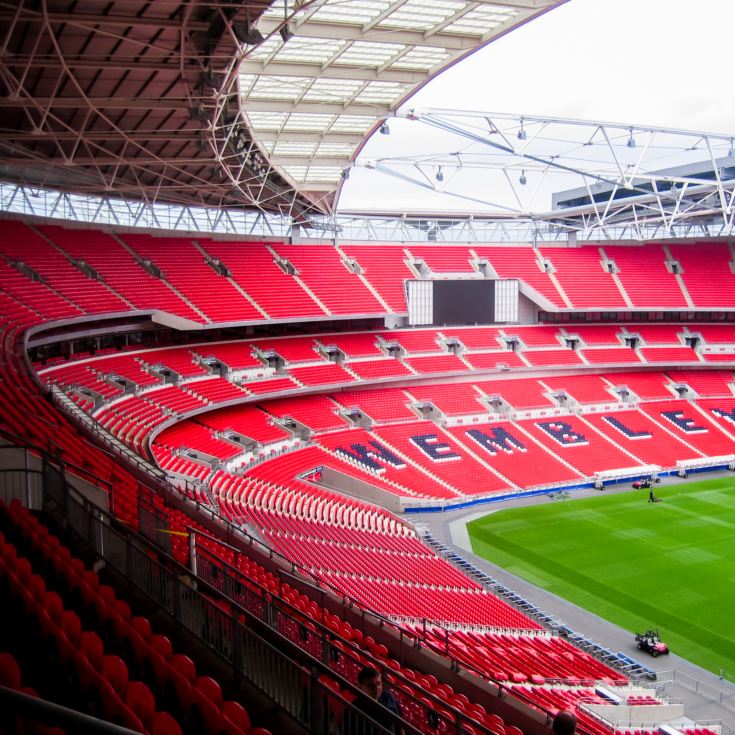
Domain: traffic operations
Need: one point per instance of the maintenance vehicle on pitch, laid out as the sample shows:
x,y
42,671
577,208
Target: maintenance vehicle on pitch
x,y
649,641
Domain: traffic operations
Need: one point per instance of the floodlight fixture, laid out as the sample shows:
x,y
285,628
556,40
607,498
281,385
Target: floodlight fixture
x,y
522,132
247,34
384,129
346,174
523,180
631,140
440,174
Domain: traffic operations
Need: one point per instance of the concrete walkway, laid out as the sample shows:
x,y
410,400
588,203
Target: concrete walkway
x,y
707,698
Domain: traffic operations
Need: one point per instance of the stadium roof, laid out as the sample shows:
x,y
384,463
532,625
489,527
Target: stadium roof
x,y
219,103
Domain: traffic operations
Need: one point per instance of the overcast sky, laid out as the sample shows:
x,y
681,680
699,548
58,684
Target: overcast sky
x,y
651,62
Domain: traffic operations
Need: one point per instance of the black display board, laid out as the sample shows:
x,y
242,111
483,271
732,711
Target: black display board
x,y
464,302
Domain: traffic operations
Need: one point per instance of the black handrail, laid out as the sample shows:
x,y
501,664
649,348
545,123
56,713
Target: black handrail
x,y
14,703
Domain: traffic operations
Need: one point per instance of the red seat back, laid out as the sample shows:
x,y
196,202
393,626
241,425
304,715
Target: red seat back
x,y
9,671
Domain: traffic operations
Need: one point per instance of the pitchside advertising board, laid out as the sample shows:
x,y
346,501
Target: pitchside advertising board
x,y
462,302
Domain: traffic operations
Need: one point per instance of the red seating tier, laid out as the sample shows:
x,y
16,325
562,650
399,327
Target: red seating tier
x,y
427,364
319,413
121,272
703,266
452,399
641,267
385,267
580,273
521,263
321,268
254,268
513,454
443,258
432,449
186,269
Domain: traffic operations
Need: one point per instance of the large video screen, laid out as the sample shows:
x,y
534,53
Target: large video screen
x,y
464,302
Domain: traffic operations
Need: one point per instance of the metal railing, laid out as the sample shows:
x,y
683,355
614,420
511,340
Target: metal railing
x,y
253,647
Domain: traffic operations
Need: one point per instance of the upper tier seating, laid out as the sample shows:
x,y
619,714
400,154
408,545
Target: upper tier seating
x,y
185,268
704,265
580,273
441,259
255,285
35,296
254,269
385,268
641,267
119,269
321,268
522,263
21,243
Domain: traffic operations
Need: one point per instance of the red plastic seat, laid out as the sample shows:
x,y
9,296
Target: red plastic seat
x,y
71,627
211,689
141,701
236,714
92,648
9,671
54,605
185,666
162,645
165,724
142,626
115,672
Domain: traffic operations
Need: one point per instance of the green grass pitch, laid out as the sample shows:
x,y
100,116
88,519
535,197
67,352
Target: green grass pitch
x,y
669,565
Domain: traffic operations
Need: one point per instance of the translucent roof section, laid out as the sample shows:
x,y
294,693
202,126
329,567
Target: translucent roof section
x,y
328,72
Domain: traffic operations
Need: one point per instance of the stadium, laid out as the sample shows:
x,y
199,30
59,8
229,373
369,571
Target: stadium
x,y
255,442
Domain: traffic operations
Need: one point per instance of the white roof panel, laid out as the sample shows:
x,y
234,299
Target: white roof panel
x,y
329,71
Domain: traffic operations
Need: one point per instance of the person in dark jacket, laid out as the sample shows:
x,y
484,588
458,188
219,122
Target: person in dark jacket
x,y
377,703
